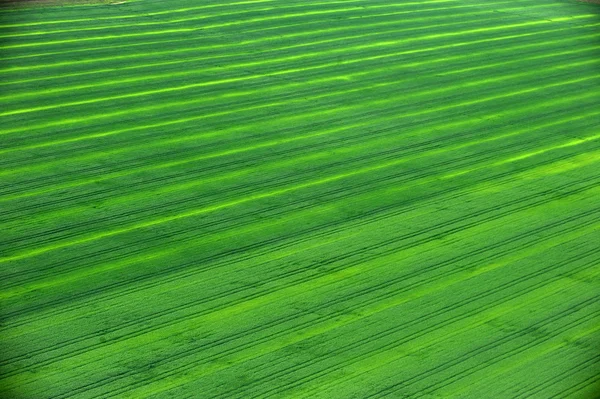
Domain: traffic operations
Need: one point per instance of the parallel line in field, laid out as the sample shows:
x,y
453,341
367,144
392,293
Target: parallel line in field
x,y
540,272
280,238
237,14
139,164
576,387
262,63
485,249
279,17
180,369
304,91
132,169
27,9
333,132
553,349
407,151
336,190
369,258
373,216
214,26
454,393
87,72
153,14
222,205
217,366
219,25
176,277
386,178
246,76
423,155
539,387
492,345
258,55
172,121
353,346
540,348
301,33
371,76
453,362
246,41
309,364
513,352
45,237
149,108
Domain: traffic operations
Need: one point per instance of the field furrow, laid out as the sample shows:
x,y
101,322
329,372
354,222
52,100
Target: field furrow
x,y
328,199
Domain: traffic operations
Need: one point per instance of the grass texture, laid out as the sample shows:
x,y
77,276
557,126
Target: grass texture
x,y
303,199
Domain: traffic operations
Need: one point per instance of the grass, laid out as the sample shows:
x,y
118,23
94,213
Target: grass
x,y
343,199
19,4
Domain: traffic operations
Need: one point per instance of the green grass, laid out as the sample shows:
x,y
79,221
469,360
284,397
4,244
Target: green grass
x,y
330,199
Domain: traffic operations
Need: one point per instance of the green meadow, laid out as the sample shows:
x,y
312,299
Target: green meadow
x,y
300,199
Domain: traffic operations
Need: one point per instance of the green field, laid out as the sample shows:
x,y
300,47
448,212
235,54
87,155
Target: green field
x,y
304,199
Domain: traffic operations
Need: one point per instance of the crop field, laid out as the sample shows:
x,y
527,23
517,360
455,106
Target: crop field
x,y
300,199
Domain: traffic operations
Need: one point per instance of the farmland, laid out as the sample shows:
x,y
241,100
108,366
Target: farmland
x,y
307,199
